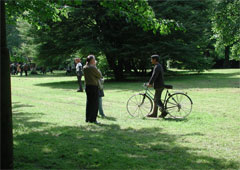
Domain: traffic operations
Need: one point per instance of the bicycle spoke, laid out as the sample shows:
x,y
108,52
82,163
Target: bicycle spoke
x,y
180,98
136,99
172,103
184,111
140,99
170,107
141,111
177,98
174,100
146,110
133,102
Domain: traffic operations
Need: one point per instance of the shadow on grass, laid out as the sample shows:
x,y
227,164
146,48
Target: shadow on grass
x,y
16,105
40,145
60,85
175,119
110,118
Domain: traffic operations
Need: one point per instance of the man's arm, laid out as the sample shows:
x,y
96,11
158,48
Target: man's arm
x,y
96,73
155,73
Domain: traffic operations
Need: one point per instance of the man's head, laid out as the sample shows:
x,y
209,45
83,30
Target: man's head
x,y
91,60
77,60
155,59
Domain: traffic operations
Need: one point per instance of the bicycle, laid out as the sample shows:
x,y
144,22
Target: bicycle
x,y
178,105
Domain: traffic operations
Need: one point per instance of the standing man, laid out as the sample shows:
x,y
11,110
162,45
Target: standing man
x,y
25,68
79,73
157,81
92,75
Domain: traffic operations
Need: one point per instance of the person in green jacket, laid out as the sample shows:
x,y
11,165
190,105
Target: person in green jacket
x,y
91,75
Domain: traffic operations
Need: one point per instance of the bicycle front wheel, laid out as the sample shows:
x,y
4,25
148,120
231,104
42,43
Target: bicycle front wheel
x,y
139,105
179,105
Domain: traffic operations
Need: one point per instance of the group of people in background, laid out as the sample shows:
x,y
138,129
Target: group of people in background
x,y
16,68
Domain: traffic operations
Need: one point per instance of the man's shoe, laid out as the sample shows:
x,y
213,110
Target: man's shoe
x,y
79,90
164,114
152,115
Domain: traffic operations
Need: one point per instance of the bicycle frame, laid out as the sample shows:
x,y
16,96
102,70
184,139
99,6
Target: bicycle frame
x,y
150,95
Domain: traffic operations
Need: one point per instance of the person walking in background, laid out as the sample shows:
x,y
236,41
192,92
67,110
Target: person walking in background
x,y
91,75
79,73
157,81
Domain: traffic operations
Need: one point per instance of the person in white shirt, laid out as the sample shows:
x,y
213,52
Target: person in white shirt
x,y
79,72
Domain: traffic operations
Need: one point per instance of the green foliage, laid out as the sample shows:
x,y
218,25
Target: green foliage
x,y
141,13
34,11
226,25
103,65
20,42
189,49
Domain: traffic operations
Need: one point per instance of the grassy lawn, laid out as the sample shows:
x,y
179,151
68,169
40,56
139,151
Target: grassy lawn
x,y
50,130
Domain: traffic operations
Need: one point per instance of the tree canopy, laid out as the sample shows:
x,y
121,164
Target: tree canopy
x,y
125,33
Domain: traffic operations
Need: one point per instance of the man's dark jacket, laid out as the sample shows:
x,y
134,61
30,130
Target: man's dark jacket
x,y
157,77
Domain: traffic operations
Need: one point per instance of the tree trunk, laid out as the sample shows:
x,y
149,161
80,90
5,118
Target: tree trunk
x,y
118,71
226,60
116,67
164,65
127,65
6,108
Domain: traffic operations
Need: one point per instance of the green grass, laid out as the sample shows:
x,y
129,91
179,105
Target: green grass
x,y
50,131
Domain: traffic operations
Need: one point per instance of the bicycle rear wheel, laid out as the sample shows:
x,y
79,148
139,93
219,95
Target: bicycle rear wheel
x,y
139,105
179,105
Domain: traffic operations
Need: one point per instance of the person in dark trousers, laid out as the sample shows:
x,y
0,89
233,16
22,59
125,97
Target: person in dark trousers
x,y
21,69
157,81
91,75
79,73
25,68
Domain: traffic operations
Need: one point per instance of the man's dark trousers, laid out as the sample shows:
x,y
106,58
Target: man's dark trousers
x,y
157,97
79,77
92,103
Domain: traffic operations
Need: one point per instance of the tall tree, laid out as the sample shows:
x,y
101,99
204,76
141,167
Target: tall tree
x,y
19,42
226,26
6,109
189,48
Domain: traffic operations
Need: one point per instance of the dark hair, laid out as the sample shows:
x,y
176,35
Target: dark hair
x,y
89,58
155,56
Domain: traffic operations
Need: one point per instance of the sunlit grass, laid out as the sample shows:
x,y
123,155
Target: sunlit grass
x,y
50,130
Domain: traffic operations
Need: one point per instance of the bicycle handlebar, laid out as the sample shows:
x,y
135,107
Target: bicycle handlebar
x,y
145,85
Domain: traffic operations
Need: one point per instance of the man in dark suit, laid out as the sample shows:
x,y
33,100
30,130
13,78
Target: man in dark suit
x,y
157,81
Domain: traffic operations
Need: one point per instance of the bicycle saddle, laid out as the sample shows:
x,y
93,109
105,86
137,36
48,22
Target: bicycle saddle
x,y
168,86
